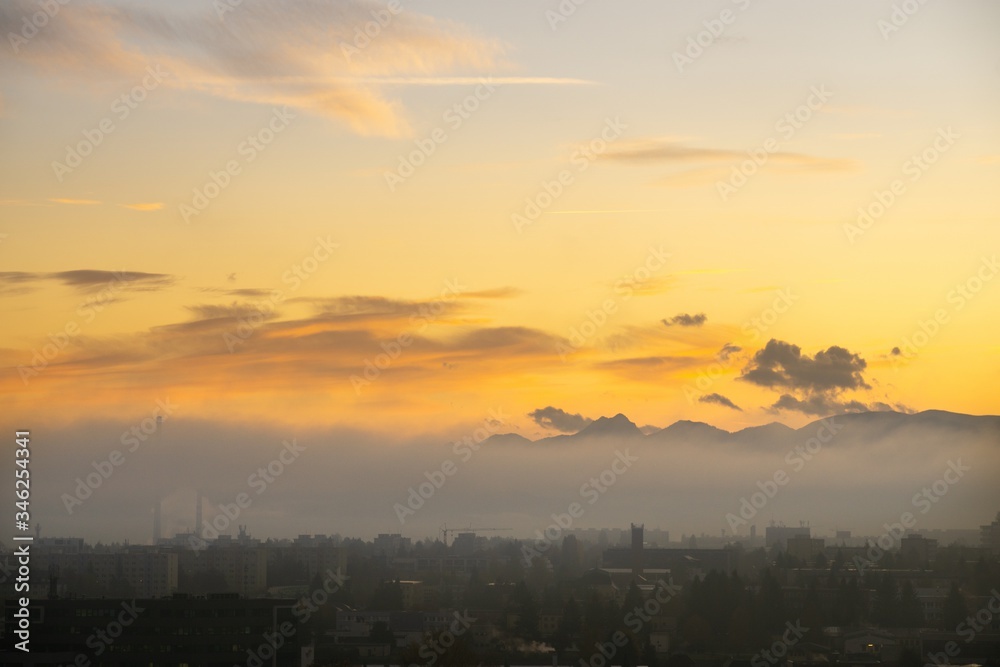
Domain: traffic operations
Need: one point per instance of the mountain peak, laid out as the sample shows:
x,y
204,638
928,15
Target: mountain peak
x,y
686,427
619,425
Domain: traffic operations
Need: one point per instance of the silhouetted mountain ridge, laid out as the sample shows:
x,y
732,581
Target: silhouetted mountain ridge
x,y
849,427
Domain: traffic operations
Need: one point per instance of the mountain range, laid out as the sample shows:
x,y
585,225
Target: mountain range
x,y
851,428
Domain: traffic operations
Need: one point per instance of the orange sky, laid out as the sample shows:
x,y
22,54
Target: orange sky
x,y
483,207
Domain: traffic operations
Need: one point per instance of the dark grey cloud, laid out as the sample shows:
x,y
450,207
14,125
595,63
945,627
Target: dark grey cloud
x,y
89,279
685,320
17,277
719,399
819,405
782,365
559,420
362,307
245,292
647,362
728,350
233,311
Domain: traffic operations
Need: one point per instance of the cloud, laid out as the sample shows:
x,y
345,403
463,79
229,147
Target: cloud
x,y
145,206
76,202
497,293
728,350
669,151
559,420
685,320
89,279
298,53
85,278
817,404
234,311
814,384
782,364
719,399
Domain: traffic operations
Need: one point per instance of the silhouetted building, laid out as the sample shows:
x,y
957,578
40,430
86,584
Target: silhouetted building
x,y
778,535
637,548
804,547
989,535
918,550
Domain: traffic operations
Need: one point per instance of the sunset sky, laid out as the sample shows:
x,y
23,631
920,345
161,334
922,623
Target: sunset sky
x,y
121,285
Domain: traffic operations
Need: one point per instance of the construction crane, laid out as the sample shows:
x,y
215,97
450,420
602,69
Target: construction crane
x,y
445,530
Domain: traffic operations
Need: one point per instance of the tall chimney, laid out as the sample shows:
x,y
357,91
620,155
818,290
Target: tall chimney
x,y
197,516
637,568
156,522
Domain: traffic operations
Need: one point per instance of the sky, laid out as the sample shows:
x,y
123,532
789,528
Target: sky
x,y
393,218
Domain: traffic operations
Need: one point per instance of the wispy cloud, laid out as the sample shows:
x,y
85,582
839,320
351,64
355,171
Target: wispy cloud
x,y
274,52
88,279
75,202
145,206
668,151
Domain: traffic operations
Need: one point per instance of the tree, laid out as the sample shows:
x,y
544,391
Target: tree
x,y
526,608
954,611
911,612
572,621
885,609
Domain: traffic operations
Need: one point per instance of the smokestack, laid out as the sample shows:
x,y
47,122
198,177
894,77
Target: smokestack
x,y
156,521
637,568
197,516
